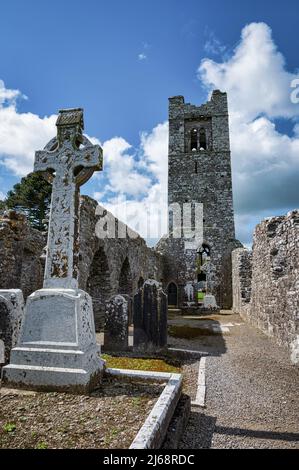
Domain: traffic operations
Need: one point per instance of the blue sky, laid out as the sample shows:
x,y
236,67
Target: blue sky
x,y
121,60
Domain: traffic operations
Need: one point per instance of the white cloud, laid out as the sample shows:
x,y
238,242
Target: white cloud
x,y
8,96
142,56
145,179
121,169
213,45
255,76
21,133
265,161
2,196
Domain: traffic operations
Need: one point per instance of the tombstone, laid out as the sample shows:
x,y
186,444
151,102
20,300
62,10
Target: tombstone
x,y
11,313
57,348
210,302
117,314
150,317
189,291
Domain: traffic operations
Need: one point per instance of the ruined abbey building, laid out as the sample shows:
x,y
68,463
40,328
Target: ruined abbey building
x,y
265,287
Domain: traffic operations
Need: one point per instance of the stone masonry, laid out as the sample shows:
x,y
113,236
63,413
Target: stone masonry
x,y
266,282
241,278
107,266
199,171
21,247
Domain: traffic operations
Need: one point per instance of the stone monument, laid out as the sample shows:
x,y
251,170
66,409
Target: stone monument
x,y
117,314
11,313
57,347
150,317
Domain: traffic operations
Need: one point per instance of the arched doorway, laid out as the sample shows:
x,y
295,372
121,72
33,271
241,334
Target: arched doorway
x,y
98,286
172,292
125,279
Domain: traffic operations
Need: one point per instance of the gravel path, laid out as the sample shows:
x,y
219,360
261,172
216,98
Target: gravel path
x,y
252,390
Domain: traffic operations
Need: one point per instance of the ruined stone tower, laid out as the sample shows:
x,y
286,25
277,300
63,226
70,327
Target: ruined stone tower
x,y
199,171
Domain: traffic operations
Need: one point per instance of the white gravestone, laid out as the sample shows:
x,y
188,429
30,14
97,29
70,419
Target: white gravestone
x,y
210,302
57,347
189,291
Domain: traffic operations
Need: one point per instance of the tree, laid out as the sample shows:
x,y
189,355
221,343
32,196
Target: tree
x,y
32,197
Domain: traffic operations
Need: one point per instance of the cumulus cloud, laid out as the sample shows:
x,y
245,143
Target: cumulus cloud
x,y
21,133
265,161
2,196
141,174
255,76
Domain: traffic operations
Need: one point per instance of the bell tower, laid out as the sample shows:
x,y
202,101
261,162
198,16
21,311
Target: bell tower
x,y
199,171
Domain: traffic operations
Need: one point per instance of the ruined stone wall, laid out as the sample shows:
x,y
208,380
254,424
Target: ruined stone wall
x,y
21,247
106,266
273,269
275,280
202,176
105,262
241,280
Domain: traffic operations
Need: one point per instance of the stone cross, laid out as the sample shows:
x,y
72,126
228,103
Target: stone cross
x,y
67,161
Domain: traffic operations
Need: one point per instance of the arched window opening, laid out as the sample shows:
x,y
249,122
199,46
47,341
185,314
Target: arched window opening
x,y
202,139
172,292
99,286
125,279
140,282
194,140
203,255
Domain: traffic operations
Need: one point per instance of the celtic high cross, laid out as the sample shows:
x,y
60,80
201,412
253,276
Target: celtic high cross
x,y
67,161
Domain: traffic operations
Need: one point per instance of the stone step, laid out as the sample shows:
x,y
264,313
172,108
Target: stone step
x,y
174,312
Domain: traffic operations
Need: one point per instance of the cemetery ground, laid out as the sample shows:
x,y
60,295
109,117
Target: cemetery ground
x,y
251,395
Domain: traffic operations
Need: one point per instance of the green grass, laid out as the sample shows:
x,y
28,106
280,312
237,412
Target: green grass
x,y
9,427
155,365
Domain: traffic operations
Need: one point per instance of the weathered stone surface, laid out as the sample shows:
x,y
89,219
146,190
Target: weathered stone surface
x,y
117,315
210,302
73,159
21,247
11,313
202,175
107,266
242,277
266,286
57,348
110,266
150,317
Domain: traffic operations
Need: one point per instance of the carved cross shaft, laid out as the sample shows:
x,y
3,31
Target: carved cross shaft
x,y
68,161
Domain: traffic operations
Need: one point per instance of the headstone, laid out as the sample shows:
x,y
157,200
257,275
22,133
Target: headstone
x,y
117,314
189,291
210,302
150,317
57,348
11,313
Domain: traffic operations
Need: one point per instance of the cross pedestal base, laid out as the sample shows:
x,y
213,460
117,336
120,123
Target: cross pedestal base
x,y
57,348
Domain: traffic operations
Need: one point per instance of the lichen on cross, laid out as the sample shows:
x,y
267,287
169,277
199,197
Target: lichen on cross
x,y
68,161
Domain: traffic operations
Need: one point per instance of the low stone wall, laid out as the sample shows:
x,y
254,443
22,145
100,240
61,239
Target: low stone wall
x,y
274,288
